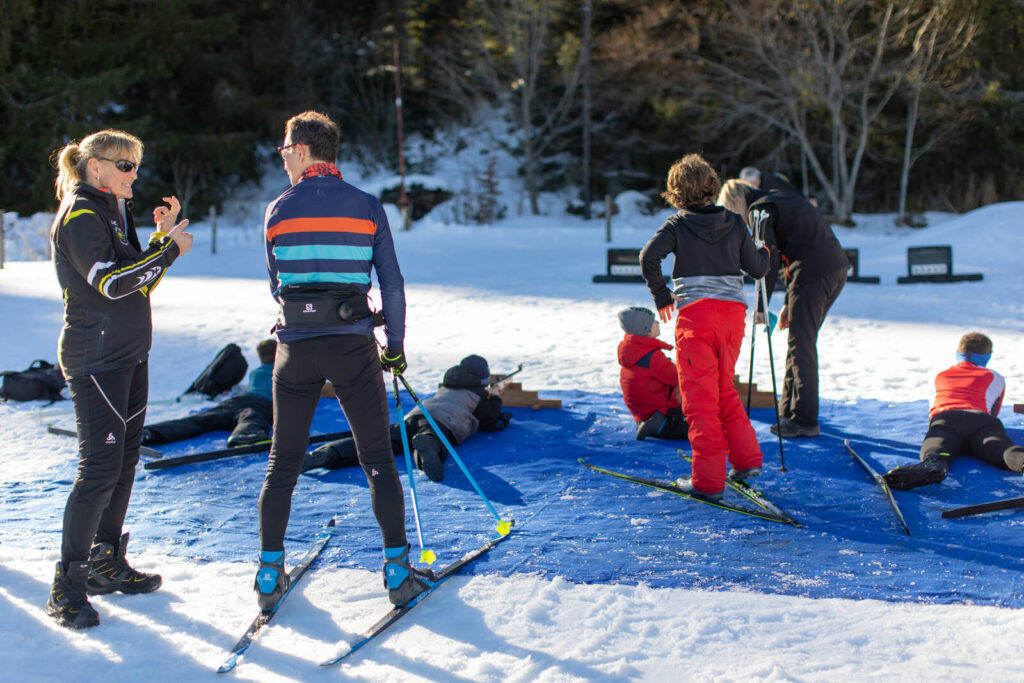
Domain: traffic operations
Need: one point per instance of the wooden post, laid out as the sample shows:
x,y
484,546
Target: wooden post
x,y
586,109
403,199
213,230
607,218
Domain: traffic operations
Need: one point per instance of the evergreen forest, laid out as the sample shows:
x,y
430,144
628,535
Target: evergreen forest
x,y
867,105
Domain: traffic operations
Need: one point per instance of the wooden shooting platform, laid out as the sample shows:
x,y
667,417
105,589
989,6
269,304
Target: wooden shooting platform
x,y
758,399
514,396
1018,407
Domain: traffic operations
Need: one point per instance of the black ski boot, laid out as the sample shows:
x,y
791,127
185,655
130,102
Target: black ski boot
x,y
317,458
111,572
403,581
271,579
651,426
68,603
426,451
744,474
931,471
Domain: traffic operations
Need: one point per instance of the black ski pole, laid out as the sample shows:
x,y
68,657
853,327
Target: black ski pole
x,y
753,336
761,217
775,386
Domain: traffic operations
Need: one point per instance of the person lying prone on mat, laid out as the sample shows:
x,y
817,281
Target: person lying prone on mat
x,y
462,406
963,419
248,416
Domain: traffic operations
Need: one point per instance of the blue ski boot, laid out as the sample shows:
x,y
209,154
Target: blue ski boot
x,y
403,581
271,579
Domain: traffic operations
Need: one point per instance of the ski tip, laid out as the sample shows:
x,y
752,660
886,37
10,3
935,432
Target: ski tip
x,y
228,665
337,658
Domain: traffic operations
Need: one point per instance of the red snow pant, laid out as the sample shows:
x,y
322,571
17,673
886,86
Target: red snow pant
x,y
708,337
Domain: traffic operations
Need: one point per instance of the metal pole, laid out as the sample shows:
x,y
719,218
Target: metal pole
x,y
753,336
760,216
607,218
403,200
1,239
213,229
586,109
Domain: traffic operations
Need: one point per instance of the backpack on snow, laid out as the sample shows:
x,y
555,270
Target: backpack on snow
x,y
41,380
226,370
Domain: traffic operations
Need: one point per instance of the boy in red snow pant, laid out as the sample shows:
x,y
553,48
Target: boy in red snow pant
x,y
711,247
708,336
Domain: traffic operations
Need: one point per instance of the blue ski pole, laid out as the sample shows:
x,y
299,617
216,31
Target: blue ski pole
x,y
426,556
503,526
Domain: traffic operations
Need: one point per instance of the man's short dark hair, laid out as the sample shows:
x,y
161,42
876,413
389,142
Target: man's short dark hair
x,y
266,350
317,131
974,342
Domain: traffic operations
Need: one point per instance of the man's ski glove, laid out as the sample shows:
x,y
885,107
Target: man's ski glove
x,y
393,361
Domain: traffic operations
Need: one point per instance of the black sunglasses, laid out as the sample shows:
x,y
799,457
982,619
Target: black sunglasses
x,y
122,165
282,148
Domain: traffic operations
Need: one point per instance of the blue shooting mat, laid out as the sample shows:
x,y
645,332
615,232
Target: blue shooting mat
x,y
588,527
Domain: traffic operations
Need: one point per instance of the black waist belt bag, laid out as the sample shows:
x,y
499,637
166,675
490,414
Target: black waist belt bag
x,y
322,305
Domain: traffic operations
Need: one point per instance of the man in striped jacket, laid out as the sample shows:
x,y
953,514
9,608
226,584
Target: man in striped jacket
x,y
323,237
963,420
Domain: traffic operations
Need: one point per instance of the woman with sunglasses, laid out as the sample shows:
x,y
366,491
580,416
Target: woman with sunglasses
x,y
106,278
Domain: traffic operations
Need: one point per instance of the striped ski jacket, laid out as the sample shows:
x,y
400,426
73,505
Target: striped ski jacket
x,y
324,230
105,278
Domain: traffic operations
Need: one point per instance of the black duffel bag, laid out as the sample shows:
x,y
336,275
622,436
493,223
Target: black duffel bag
x,y
41,381
226,370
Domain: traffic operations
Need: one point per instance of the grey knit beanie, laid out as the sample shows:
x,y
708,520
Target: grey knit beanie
x,y
636,320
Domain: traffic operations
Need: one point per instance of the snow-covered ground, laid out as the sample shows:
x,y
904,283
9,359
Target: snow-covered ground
x,y
520,291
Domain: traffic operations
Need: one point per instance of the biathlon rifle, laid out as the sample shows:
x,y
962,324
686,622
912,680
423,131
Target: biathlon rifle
x,y
504,378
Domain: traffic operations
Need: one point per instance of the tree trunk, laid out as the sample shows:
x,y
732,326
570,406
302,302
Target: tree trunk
x,y
908,145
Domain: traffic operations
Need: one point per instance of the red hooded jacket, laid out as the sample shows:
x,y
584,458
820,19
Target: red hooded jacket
x,y
649,380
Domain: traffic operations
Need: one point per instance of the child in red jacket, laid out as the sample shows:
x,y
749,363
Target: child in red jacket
x,y
963,419
650,384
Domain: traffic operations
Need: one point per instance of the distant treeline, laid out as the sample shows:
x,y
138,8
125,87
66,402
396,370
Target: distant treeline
x,y
868,105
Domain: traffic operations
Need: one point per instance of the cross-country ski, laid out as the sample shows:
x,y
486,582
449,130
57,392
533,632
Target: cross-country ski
x,y
265,616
